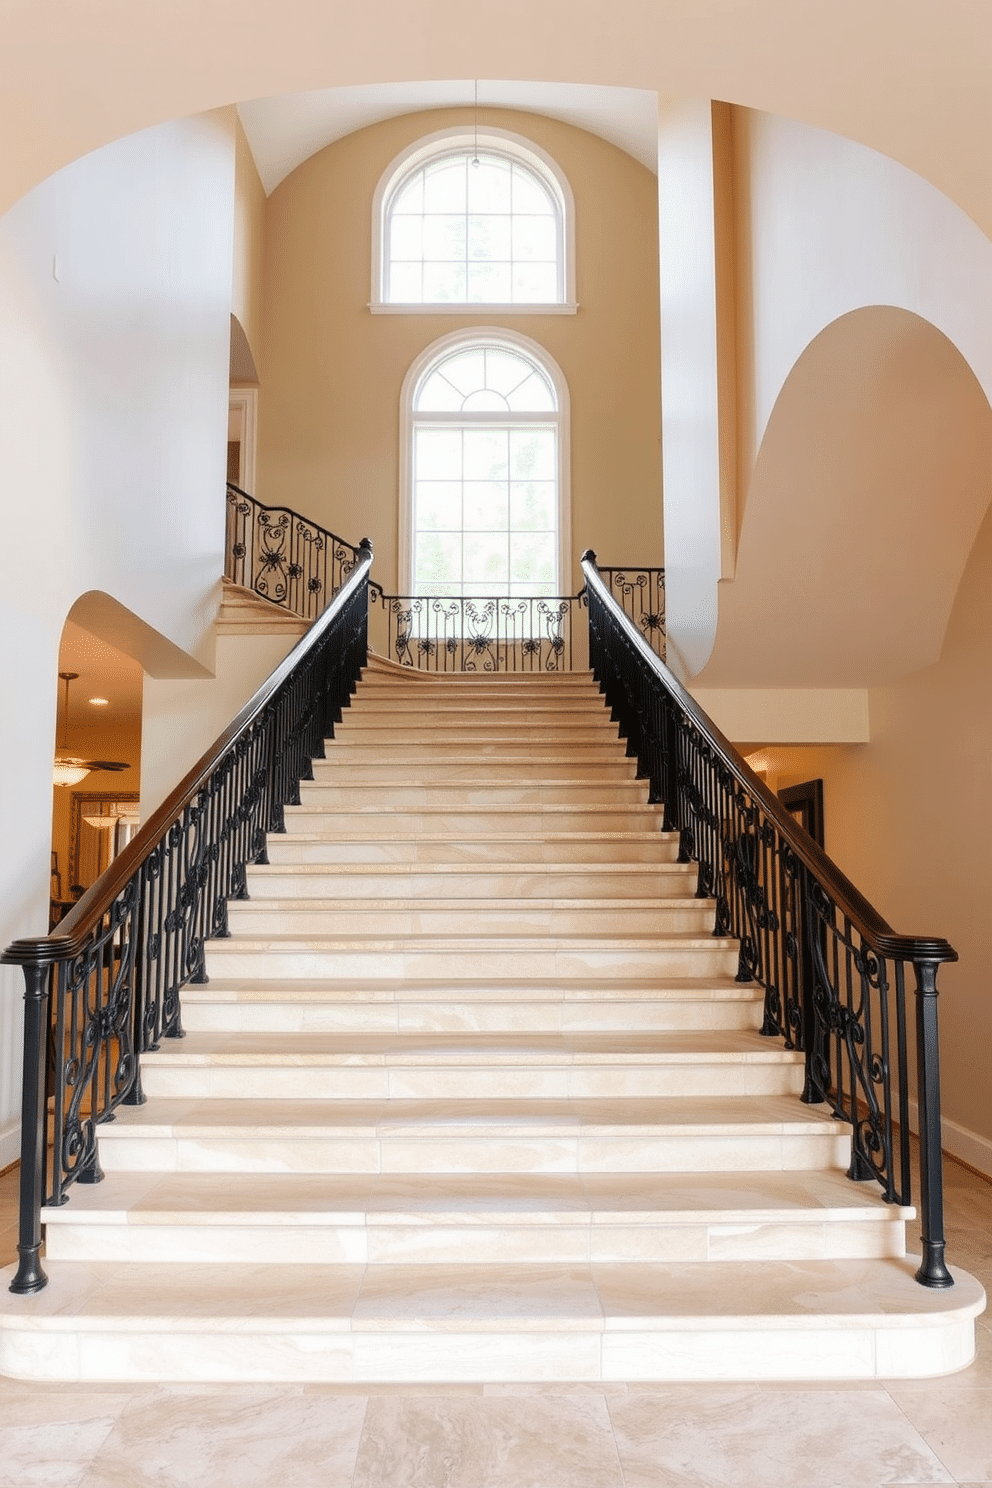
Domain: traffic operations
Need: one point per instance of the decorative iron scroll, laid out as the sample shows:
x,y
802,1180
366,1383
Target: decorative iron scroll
x,y
833,972
433,633
506,633
282,556
105,986
640,593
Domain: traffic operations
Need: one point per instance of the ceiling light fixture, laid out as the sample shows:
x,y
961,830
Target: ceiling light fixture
x,y
68,769
99,702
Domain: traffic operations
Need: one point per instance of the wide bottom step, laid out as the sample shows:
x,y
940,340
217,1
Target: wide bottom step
x,y
352,1323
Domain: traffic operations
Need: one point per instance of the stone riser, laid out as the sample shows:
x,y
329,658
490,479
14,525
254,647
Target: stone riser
x,y
229,958
380,820
561,851
372,1151
606,880
567,1241
535,759
255,1353
358,1014
335,770
174,1080
277,917
404,730
626,794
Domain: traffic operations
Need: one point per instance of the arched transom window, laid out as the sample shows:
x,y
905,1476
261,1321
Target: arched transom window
x,y
473,222
486,472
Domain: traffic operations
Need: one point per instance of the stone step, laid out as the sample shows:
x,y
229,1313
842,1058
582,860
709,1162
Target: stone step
x,y
326,794
403,730
443,769
355,1324
618,958
458,1067
489,917
449,821
609,881
556,849
474,748
383,1006
494,708
307,1219
680,1134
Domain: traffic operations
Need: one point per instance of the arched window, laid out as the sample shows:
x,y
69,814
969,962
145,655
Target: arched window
x,y
464,220
486,468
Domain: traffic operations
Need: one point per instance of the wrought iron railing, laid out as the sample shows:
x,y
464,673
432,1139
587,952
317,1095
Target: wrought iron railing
x,y
834,973
511,633
640,593
488,633
105,986
282,556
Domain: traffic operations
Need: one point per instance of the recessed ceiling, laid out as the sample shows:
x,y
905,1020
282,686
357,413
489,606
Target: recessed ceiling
x,y
286,130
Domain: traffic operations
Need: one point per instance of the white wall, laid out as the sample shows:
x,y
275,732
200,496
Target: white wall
x,y
115,297
865,296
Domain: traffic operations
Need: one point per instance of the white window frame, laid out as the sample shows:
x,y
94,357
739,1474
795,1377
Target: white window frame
x,y
463,340
502,142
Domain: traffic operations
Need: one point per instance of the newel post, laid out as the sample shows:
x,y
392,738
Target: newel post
x,y
933,1271
30,1273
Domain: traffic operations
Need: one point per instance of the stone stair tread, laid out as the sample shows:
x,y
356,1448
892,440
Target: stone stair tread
x,y
408,989
306,1049
512,905
683,940
679,1116
465,1298
387,1198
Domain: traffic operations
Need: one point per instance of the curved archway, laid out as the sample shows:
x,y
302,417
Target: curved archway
x,y
871,481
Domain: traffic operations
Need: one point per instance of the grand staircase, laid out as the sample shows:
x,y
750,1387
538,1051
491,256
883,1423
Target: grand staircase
x,y
472,1093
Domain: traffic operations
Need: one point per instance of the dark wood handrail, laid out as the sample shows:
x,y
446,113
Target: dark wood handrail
x,y
876,931
71,936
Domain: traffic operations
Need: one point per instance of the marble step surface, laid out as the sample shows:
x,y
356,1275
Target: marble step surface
x,y
440,1219
424,1065
382,1006
472,958
676,1134
454,881
326,794
557,848
351,1323
436,819
485,916
456,766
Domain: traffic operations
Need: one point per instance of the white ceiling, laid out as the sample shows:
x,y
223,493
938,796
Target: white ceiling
x,y
286,130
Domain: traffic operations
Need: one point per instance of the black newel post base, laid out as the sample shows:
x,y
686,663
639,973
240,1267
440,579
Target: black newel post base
x,y
30,1275
933,1272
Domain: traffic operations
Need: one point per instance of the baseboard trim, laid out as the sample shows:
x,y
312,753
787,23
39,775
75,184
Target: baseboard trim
x,y
968,1146
10,1145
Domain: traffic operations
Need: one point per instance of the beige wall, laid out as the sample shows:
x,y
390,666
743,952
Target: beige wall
x,y
907,819
249,241
329,405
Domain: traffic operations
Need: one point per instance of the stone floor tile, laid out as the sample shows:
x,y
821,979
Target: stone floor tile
x,y
730,1437
261,1437
957,1425
536,1441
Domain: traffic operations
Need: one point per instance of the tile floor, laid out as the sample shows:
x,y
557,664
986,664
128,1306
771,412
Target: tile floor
x,y
515,1436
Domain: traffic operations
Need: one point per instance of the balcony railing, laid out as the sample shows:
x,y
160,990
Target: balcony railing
x,y
284,557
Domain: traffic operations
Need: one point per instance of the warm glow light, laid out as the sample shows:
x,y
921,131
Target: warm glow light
x,y
99,702
68,772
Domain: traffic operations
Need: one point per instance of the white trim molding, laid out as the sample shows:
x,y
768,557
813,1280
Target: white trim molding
x,y
496,336
500,142
970,1147
243,415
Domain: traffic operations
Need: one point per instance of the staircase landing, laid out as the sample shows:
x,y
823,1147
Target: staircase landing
x,y
472,1094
